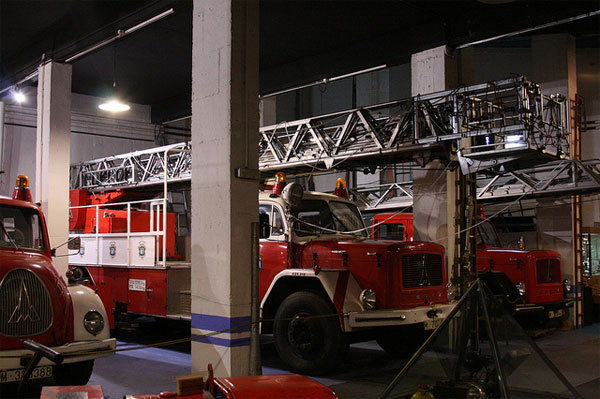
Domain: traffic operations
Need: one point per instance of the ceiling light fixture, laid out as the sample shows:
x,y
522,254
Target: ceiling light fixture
x,y
113,104
19,96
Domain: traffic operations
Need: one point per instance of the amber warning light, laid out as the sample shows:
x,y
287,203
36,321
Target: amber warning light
x,y
22,191
280,182
340,188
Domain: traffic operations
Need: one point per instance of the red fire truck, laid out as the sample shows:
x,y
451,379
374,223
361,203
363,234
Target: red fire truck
x,y
531,280
316,260
38,305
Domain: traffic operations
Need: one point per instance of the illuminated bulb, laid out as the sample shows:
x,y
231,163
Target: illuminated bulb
x,y
19,97
114,106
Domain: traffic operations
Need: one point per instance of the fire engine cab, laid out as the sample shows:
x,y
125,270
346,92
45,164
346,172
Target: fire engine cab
x,y
317,260
529,281
37,304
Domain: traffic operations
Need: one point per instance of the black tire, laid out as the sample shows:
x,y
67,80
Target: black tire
x,y
308,346
73,373
404,341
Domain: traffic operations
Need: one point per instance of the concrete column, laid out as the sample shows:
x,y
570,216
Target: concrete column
x,y
554,64
53,153
225,137
431,71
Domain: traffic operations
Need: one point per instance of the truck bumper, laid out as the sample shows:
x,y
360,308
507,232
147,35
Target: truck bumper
x,y
430,316
550,310
74,352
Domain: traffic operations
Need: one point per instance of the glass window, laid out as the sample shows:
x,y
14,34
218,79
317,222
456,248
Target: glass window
x,y
275,220
391,231
320,217
20,227
487,235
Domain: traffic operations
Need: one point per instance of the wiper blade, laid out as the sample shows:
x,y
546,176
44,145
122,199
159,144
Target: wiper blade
x,y
10,239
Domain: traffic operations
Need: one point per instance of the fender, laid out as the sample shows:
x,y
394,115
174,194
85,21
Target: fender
x,y
84,299
339,286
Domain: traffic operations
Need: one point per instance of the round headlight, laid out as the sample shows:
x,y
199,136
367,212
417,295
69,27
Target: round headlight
x,y
476,392
521,287
93,322
568,286
368,299
452,291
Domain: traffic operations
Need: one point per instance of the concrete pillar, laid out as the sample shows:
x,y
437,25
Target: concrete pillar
x,y
554,64
225,137
431,71
53,153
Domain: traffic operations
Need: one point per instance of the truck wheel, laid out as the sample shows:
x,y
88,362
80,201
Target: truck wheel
x,y
309,346
402,342
73,373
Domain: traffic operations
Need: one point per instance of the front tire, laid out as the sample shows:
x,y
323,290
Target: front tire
x,y
308,345
73,373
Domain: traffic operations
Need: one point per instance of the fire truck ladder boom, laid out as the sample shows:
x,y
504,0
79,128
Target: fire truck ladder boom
x,y
507,121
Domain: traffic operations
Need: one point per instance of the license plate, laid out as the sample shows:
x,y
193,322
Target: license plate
x,y
17,374
432,324
552,314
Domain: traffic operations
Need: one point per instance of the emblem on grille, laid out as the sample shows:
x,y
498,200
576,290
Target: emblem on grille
x,y
26,304
24,310
424,276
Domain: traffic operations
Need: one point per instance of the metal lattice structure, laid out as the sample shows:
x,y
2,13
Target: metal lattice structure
x,y
507,121
134,169
559,178
487,125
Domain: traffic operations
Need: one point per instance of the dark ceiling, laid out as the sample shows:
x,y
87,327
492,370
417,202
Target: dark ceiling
x,y
300,41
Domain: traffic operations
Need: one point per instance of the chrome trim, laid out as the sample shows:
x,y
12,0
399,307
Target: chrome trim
x,y
27,303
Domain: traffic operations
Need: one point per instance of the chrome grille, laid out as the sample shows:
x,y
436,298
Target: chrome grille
x,y
26,308
422,270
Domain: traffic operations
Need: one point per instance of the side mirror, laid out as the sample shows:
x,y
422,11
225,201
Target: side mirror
x,y
74,243
264,228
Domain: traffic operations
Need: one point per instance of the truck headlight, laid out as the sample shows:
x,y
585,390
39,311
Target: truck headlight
x,y
521,287
452,291
93,322
368,299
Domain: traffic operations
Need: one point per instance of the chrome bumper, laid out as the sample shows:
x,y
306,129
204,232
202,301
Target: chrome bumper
x,y
74,352
397,317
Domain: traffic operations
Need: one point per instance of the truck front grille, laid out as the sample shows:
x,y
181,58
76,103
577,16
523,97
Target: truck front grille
x,y
548,271
26,305
422,270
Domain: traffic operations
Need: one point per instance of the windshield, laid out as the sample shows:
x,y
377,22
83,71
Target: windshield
x,y
339,216
21,228
487,235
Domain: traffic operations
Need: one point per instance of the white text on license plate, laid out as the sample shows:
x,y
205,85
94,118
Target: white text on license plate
x,y
17,374
432,324
553,314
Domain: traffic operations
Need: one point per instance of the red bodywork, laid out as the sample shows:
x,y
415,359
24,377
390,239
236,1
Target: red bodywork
x,y
40,263
540,270
376,264
285,386
112,220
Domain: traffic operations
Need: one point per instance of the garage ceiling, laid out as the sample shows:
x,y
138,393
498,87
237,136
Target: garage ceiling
x,y
301,41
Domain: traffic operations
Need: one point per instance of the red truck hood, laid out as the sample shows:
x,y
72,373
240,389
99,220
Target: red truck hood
x,y
393,269
60,331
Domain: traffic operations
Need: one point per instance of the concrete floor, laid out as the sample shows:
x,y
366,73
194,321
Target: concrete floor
x,y
365,373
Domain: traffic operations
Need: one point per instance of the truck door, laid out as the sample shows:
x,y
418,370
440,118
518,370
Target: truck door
x,y
273,246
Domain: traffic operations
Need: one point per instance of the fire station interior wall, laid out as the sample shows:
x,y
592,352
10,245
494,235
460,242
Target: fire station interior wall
x,y
93,135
